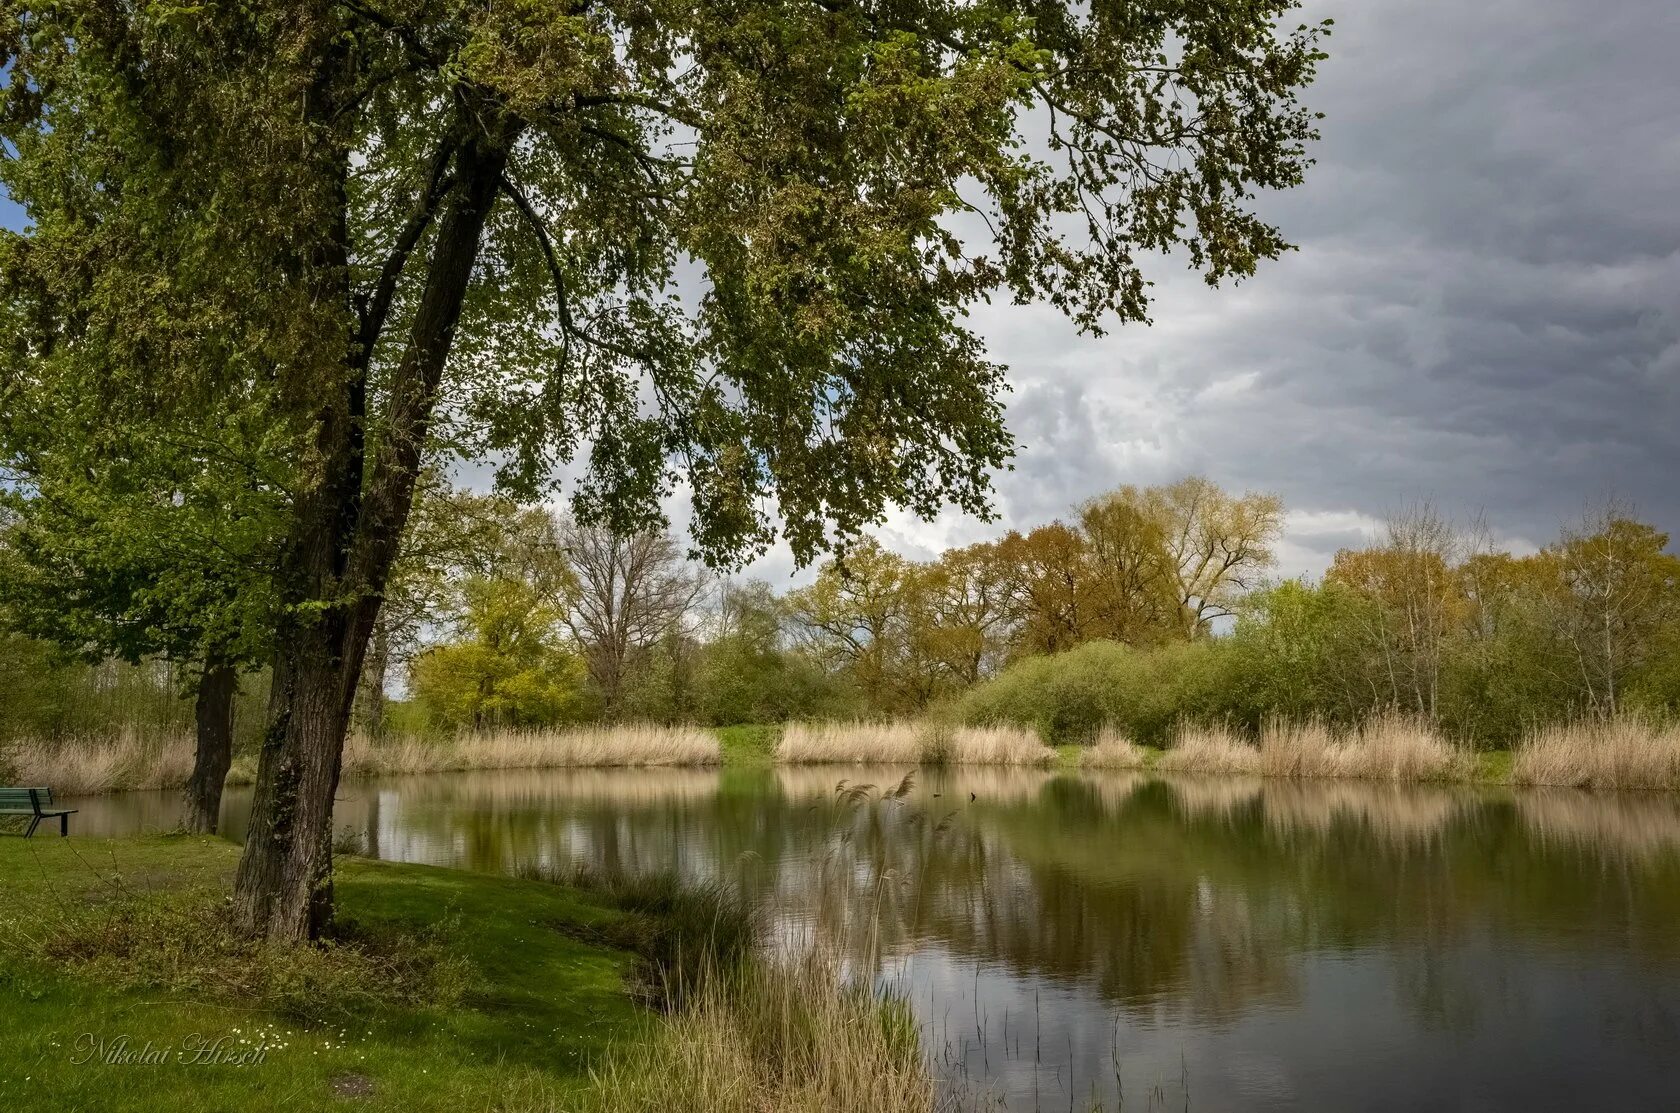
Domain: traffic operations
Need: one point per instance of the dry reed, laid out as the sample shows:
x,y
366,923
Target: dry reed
x,y
1628,752
1208,750
592,747
1389,748
882,743
999,745
87,767
792,1036
1113,750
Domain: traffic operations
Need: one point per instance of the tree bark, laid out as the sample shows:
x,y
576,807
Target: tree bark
x,y
371,696
213,714
343,540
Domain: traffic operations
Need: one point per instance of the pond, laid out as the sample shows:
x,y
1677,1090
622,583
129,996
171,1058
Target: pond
x,y
1149,943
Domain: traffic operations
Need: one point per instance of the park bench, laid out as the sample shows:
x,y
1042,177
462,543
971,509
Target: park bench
x,y
37,803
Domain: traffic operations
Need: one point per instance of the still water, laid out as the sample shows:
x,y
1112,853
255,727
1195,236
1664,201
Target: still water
x,y
1206,944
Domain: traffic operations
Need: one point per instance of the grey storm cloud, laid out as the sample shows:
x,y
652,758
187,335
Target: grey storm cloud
x,y
1484,310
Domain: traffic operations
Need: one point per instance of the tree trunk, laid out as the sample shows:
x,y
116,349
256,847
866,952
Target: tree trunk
x,y
333,574
213,714
370,698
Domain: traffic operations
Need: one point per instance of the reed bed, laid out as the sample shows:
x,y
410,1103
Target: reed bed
x,y
853,743
88,767
1390,748
1629,752
885,743
129,761
1113,750
1209,750
638,745
997,745
792,1036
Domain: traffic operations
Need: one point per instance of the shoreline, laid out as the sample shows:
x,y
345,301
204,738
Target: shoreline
x,y
1625,755
627,992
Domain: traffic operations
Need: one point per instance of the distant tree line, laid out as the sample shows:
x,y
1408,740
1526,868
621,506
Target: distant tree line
x,y
1147,607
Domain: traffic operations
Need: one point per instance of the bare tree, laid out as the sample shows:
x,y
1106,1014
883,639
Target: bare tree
x,y
1617,581
627,591
1414,579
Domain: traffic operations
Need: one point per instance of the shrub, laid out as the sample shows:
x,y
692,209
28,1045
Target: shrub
x,y
1070,697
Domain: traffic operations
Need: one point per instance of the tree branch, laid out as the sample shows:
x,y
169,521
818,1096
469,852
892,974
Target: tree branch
x,y
376,307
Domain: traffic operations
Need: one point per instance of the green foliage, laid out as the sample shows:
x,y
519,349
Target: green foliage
x,y
1297,652
748,675
1655,684
1494,663
748,743
1069,697
50,696
510,670
825,373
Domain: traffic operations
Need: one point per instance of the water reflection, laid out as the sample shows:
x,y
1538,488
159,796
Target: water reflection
x,y
1230,943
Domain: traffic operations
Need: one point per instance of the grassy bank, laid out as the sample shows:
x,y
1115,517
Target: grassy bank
x,y
441,990
752,744
446,991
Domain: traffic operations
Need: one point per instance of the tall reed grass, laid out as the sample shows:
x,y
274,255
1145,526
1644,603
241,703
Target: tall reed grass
x,y
794,1036
885,743
132,761
1197,749
89,766
1113,750
1629,752
594,746
1389,748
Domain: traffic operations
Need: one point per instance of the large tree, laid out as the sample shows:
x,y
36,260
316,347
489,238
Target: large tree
x,y
468,223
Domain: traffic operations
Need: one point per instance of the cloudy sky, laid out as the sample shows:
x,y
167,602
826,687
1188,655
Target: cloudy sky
x,y
1484,310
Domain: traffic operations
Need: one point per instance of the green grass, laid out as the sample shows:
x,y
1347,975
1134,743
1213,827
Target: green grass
x,y
544,998
749,744
1493,766
1069,755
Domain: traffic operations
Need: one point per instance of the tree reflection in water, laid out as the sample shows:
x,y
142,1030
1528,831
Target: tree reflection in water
x,y
1262,944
